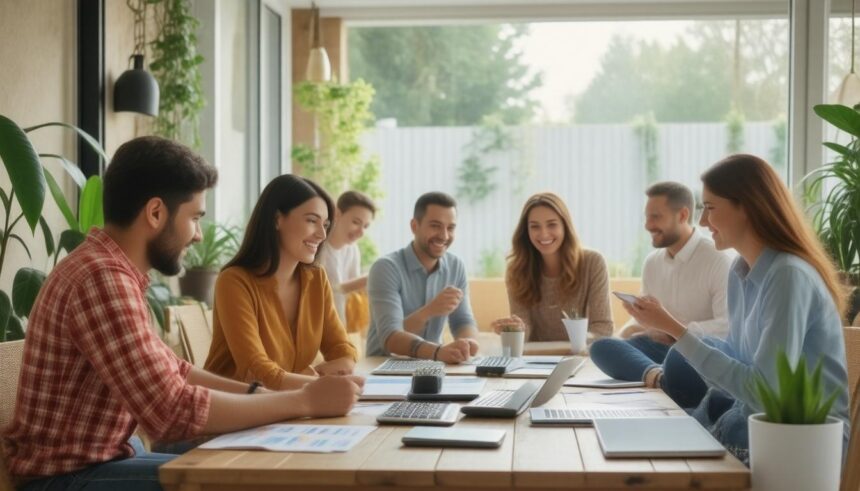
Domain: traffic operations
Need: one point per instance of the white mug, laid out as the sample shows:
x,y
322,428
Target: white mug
x,y
577,332
512,343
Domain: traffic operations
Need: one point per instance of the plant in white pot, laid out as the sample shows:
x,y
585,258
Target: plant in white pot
x,y
205,258
795,444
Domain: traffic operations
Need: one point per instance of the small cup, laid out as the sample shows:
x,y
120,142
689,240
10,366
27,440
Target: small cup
x,y
577,332
512,343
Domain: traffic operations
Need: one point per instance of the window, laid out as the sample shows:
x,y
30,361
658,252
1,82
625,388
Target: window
x,y
594,111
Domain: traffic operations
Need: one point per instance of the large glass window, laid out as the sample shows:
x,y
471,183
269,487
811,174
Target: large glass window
x,y
594,111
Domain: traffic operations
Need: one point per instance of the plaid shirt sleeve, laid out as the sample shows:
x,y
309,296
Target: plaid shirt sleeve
x,y
111,324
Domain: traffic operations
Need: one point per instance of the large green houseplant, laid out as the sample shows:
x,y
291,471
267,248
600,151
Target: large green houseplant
x,y
795,443
203,260
30,184
834,191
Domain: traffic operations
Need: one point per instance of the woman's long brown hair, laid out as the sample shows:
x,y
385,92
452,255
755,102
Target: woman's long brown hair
x,y
523,274
752,183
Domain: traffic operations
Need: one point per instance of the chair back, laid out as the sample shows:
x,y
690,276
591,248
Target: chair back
x,y
852,357
851,471
11,354
195,331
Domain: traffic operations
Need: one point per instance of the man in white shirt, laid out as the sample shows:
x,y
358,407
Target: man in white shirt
x,y
686,274
340,255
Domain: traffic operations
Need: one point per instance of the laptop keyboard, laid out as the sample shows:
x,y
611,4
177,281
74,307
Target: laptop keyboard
x,y
496,398
405,367
427,413
496,361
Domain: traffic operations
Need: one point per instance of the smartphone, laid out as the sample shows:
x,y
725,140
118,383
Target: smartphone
x,y
453,437
626,297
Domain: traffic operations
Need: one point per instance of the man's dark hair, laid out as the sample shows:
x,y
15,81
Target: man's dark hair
x,y
152,167
432,198
677,196
351,199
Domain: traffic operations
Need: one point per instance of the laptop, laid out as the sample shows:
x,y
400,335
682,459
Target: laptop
x,y
404,366
510,403
669,437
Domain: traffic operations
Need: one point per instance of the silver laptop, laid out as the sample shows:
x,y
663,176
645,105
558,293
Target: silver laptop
x,y
510,403
670,437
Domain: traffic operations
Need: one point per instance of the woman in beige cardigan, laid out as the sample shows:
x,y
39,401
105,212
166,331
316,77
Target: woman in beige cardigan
x,y
549,273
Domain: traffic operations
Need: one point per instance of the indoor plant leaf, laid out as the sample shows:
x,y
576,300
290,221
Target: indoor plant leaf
x,y
24,169
5,313
25,289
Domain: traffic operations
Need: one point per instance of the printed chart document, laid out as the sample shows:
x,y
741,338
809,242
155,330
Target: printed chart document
x,y
293,438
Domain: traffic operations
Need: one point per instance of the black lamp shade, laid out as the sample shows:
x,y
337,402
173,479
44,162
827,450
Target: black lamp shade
x,y
136,90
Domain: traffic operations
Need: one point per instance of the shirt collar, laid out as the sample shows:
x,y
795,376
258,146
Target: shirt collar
x,y
762,264
689,248
413,263
101,239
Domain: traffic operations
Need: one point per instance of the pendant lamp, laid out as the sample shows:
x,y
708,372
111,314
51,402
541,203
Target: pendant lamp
x,y
318,68
848,92
136,89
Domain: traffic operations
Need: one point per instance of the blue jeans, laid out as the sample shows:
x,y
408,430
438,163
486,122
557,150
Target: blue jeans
x,y
138,473
630,359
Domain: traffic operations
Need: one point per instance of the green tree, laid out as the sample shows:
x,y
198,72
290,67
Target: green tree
x,y
692,79
445,75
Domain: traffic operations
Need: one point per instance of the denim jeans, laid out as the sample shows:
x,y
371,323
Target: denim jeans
x,y
630,359
138,473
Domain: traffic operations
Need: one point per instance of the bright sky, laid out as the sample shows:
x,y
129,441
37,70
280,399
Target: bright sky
x,y
569,55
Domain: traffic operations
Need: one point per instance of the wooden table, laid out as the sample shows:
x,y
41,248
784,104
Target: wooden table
x,y
529,459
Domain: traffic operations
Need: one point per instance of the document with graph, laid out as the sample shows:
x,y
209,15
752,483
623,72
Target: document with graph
x,y
293,438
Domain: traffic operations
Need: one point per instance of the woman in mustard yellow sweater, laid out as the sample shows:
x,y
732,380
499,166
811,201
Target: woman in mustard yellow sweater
x,y
274,308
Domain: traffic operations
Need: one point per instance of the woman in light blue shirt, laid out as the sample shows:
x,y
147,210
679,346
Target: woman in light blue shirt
x,y
783,294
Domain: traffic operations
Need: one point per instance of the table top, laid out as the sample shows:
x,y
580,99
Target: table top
x,y
529,458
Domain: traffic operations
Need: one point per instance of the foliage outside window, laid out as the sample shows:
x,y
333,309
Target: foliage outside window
x,y
445,75
648,132
176,66
734,130
475,176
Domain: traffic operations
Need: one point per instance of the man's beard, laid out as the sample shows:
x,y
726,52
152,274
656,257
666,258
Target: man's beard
x,y
164,254
668,239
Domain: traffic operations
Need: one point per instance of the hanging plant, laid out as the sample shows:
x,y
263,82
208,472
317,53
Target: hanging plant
x,y
176,66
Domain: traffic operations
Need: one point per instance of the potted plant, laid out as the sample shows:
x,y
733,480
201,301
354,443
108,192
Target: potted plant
x,y
834,191
30,184
795,444
203,260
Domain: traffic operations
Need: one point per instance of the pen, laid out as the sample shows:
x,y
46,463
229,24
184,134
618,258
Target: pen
x,y
620,392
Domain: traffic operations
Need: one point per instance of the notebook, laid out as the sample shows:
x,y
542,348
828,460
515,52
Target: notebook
x,y
671,437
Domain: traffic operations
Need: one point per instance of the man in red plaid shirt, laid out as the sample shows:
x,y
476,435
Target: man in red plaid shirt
x,y
93,369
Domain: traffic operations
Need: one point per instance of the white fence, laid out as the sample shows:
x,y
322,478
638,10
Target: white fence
x,y
599,170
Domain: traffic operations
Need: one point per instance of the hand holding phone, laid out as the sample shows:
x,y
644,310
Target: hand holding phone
x,y
626,297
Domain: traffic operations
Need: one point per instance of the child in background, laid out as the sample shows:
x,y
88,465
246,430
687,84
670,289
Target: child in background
x,y
340,255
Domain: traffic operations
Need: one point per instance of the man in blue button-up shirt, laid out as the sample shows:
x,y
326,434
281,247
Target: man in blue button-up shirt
x,y
414,290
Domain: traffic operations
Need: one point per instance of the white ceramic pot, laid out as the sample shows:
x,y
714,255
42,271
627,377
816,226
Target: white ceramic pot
x,y
795,457
577,332
512,343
